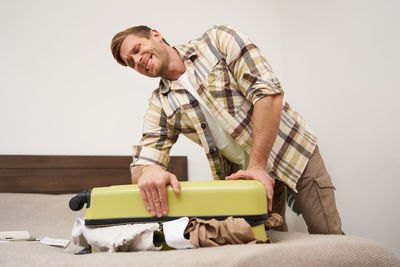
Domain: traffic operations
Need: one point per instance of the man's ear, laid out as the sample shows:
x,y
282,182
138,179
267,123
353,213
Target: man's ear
x,y
156,35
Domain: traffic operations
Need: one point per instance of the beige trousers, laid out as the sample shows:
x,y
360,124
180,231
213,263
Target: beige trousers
x,y
315,199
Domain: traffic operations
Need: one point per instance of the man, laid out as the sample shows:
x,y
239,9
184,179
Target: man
x,y
220,92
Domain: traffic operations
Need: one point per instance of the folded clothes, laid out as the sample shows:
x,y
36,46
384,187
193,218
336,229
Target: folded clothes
x,y
174,233
181,233
212,233
129,237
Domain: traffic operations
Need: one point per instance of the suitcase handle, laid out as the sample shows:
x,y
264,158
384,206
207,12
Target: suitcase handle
x,y
76,203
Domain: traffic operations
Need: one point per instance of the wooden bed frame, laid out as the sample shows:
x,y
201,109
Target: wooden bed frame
x,y
70,174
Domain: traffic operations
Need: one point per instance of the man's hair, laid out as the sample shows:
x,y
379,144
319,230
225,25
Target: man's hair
x,y
116,42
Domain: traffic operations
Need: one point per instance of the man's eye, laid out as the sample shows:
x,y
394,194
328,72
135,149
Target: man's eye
x,y
136,49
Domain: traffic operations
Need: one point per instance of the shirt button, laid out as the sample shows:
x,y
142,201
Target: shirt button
x,y
212,151
203,125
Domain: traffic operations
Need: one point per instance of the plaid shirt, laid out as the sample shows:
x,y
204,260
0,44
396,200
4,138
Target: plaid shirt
x,y
231,75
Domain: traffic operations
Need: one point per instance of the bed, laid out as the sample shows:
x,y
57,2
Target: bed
x,y
48,215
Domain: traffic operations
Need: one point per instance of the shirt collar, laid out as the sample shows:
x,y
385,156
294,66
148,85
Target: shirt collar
x,y
186,52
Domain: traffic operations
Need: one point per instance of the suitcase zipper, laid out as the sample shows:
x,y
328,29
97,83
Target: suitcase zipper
x,y
253,220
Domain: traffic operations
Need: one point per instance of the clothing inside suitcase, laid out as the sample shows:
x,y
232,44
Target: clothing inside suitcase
x,y
123,204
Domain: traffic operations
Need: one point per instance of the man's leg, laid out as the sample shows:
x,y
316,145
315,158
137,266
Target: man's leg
x,y
315,198
279,204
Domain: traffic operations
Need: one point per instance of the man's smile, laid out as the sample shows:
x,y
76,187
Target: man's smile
x,y
149,61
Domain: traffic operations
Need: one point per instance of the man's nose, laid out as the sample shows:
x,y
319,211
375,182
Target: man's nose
x,y
138,59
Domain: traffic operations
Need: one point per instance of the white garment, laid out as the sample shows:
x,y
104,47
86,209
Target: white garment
x,y
224,141
129,237
173,233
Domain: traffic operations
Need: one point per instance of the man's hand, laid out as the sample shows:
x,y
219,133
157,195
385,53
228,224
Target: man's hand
x,y
260,175
152,184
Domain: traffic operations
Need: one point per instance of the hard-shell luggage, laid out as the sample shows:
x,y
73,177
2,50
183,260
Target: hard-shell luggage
x,y
202,199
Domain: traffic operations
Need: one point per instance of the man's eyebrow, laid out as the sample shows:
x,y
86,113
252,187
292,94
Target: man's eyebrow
x,y
135,47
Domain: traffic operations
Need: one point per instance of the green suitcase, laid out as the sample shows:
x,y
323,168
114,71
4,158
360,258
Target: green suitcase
x,y
220,199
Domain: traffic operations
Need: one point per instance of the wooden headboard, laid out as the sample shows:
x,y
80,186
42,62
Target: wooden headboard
x,y
70,174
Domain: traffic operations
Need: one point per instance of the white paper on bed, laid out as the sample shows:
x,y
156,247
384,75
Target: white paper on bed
x,y
54,242
15,235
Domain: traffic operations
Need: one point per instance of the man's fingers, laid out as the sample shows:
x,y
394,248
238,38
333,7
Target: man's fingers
x,y
234,176
270,192
174,183
150,200
152,184
156,201
270,195
162,195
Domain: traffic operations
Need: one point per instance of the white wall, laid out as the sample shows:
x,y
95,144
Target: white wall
x,y
61,92
340,70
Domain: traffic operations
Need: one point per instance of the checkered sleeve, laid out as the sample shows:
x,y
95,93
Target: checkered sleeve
x,y
158,136
248,66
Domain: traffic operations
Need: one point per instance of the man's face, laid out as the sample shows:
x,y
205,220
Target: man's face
x,y
147,56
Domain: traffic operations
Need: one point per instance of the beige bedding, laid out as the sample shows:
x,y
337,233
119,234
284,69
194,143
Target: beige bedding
x,y
50,216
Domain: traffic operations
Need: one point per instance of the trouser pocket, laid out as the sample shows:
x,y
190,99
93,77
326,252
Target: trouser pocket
x,y
324,181
318,206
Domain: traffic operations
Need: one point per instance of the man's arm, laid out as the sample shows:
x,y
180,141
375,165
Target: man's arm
x,y
265,123
260,86
157,140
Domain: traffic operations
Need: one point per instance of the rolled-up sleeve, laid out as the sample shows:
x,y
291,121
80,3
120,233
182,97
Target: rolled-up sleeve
x,y
245,61
157,138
